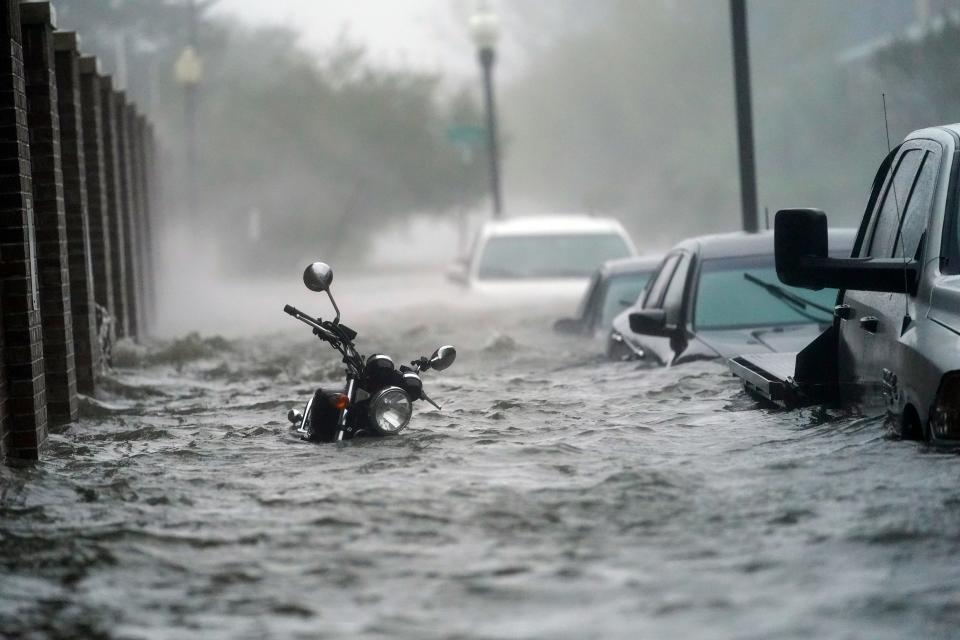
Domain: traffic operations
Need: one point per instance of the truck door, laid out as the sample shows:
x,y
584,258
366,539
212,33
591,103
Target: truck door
x,y
872,323
662,348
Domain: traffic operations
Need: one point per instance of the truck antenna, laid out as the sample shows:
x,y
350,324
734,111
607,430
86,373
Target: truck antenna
x,y
886,121
898,239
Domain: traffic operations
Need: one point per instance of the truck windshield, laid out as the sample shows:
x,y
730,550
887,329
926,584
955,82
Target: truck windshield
x,y
549,256
728,300
622,291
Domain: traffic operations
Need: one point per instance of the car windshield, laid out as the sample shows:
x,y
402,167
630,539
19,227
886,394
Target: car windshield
x,y
726,299
622,291
549,256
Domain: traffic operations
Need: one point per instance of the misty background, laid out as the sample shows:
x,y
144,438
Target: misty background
x,y
325,129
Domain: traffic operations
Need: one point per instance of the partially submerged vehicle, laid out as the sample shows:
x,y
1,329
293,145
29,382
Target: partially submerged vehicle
x,y
717,296
615,286
541,257
895,337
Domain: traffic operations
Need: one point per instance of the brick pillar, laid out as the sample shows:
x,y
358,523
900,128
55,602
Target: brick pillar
x,y
152,191
37,23
131,222
4,411
93,157
116,214
86,347
139,128
24,431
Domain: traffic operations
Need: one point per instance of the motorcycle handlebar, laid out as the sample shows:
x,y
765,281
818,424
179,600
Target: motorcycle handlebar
x,y
318,329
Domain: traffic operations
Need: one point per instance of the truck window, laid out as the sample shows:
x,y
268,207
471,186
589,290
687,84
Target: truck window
x,y
918,209
655,294
887,220
673,298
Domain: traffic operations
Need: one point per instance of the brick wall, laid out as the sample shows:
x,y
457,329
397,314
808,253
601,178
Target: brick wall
x,y
85,345
24,430
146,239
36,21
116,214
97,210
128,201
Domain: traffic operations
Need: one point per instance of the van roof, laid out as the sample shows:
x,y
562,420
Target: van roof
x,y
546,224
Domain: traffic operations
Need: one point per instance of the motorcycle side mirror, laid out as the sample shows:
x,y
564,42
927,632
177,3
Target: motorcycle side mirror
x,y
443,357
318,276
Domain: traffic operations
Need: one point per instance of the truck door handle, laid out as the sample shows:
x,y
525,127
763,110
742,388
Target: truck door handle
x,y
869,324
843,311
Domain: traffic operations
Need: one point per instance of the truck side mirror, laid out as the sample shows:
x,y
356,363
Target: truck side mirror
x,y
803,259
651,322
799,234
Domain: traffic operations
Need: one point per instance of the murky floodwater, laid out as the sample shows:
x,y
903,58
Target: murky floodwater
x,y
555,496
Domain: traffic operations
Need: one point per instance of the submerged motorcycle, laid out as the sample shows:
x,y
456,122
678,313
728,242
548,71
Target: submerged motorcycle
x,y
377,397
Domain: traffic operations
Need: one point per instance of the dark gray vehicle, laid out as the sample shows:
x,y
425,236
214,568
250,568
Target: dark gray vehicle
x,y
718,296
613,287
895,338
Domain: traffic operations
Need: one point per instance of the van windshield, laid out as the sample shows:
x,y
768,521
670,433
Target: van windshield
x,y
549,256
728,300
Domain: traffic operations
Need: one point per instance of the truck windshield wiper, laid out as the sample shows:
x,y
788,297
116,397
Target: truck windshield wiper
x,y
798,303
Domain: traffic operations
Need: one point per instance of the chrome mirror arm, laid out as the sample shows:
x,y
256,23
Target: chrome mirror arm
x,y
335,307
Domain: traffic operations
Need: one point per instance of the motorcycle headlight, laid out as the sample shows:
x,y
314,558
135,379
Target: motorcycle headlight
x,y
390,411
945,416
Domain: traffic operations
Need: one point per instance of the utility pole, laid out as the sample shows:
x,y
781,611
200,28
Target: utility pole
x,y
741,80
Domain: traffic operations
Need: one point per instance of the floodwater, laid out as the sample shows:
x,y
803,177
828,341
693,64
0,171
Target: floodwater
x,y
555,496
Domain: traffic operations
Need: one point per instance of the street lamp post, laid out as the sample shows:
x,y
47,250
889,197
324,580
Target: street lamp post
x,y
188,72
485,29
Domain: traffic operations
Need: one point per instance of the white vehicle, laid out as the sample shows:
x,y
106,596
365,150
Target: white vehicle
x,y
540,257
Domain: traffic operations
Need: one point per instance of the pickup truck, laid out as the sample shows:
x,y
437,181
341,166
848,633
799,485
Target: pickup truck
x,y
894,344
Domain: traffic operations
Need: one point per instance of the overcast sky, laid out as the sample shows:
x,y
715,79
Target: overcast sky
x,y
428,34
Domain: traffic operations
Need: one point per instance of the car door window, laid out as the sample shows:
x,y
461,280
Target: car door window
x,y
673,298
918,208
898,190
660,282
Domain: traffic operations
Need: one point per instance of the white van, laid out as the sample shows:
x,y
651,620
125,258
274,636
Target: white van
x,y
541,256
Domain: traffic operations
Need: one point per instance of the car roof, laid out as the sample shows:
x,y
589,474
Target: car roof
x,y
932,131
630,265
571,223
741,243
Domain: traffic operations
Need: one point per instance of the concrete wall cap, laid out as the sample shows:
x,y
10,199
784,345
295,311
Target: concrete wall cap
x,y
66,41
38,13
89,64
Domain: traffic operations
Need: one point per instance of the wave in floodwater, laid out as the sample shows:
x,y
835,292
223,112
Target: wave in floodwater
x,y
556,495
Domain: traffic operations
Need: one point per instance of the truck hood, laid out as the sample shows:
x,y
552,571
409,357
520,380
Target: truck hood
x,y
734,342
